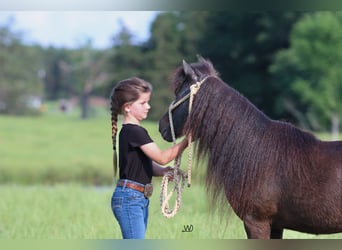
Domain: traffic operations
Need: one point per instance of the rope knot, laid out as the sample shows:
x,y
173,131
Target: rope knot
x,y
194,88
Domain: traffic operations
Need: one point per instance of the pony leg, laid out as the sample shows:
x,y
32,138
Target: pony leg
x,y
276,233
257,229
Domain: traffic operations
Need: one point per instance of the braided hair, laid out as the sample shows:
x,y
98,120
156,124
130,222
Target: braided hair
x,y
125,92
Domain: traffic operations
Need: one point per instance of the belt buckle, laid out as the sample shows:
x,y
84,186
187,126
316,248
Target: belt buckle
x,y
148,190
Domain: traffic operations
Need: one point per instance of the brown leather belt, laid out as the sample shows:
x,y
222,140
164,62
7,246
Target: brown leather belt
x,y
131,185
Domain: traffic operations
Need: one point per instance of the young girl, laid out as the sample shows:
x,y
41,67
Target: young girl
x,y
139,157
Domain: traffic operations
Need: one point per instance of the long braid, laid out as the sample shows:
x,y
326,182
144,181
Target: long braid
x,y
114,118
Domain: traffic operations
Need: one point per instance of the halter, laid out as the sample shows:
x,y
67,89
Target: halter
x,y
193,91
177,172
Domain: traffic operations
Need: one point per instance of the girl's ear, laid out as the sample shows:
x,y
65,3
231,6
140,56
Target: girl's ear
x,y
127,108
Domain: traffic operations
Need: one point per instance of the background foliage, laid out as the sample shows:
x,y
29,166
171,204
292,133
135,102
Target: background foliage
x,y
286,63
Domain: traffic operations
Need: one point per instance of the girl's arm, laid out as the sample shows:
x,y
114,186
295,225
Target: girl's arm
x,y
159,170
165,156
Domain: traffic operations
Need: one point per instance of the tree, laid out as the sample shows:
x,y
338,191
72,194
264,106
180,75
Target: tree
x,y
125,59
193,27
19,67
313,65
242,46
153,60
56,82
86,72
95,77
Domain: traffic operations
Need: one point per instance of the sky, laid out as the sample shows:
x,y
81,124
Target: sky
x,y
72,29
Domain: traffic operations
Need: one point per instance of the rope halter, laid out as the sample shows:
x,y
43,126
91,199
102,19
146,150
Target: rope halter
x,y
178,174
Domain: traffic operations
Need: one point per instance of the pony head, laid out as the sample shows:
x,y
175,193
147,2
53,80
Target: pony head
x,y
183,77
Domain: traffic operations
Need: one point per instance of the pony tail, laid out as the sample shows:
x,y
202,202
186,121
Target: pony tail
x,y
114,118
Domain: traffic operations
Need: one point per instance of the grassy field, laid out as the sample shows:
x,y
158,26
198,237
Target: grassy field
x,y
56,183
78,212
54,149
69,211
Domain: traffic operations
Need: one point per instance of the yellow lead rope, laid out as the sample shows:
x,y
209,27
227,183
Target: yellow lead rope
x,y
178,175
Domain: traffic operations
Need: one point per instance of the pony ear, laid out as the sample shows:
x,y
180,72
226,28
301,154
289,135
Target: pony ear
x,y
208,63
201,59
204,61
188,70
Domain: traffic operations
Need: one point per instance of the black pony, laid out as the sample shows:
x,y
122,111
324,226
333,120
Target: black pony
x,y
274,175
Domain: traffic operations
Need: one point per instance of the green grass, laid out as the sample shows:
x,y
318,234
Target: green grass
x,y
71,211
78,212
58,212
53,149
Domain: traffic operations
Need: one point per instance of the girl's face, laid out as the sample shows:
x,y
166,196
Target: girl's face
x,y
138,110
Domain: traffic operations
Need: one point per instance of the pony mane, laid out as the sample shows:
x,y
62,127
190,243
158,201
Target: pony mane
x,y
241,144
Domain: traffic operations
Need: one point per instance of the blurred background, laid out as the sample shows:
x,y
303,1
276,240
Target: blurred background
x,y
286,63
57,70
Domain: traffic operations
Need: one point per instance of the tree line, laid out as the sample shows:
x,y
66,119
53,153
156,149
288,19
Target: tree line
x,y
286,63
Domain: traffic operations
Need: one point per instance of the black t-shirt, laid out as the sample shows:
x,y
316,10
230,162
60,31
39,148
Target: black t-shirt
x,y
134,164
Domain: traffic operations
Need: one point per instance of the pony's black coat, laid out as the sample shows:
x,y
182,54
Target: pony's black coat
x,y
274,175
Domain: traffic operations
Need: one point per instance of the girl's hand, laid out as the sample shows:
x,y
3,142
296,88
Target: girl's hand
x,y
169,170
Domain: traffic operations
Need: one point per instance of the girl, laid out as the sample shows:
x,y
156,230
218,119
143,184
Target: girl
x,y
139,157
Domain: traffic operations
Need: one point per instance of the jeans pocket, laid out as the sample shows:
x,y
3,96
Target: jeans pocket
x,y
117,206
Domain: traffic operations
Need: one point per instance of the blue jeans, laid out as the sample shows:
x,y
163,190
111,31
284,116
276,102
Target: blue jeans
x,y
130,208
